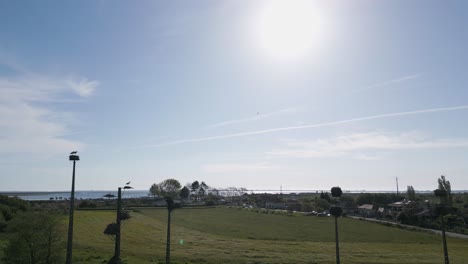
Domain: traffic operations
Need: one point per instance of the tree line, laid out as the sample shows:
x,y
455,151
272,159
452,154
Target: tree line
x,y
36,234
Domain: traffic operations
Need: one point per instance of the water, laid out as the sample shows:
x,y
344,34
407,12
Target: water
x,y
84,195
45,196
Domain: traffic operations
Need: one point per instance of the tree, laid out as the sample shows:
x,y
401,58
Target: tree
x,y
444,185
364,198
201,193
336,192
36,238
325,196
204,185
411,193
195,186
321,204
9,207
444,193
184,193
167,188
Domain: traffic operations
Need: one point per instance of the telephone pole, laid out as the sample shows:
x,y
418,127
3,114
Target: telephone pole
x,y
397,191
74,158
116,257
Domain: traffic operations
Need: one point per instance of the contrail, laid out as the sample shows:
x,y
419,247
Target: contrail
x,y
257,132
252,118
387,83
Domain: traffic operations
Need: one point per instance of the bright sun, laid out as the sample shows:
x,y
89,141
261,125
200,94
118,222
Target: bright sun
x,y
287,29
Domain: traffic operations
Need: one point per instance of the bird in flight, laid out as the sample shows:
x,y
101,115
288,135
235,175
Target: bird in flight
x,y
73,152
127,183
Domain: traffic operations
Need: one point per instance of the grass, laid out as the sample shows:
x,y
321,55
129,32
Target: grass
x,y
227,235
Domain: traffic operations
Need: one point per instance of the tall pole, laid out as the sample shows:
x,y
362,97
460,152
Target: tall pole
x,y
444,241
336,211
119,219
397,191
336,239
168,241
72,208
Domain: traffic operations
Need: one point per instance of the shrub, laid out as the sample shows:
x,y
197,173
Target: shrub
x,y
87,204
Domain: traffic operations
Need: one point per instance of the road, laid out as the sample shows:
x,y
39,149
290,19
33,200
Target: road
x,y
449,234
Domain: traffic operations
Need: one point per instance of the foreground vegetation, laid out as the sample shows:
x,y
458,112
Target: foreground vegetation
x,y
231,235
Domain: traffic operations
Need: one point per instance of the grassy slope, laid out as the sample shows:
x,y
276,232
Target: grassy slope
x,y
226,235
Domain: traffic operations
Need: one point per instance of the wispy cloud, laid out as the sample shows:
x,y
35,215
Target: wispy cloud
x,y
28,122
288,128
37,88
388,83
257,116
363,145
83,87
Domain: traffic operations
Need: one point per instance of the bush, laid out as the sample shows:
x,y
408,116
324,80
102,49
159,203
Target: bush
x,y
6,212
3,224
87,204
35,238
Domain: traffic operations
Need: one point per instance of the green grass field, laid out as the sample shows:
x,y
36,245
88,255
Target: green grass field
x,y
228,235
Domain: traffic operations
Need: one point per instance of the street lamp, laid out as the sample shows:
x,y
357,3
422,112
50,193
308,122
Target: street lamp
x,y
73,157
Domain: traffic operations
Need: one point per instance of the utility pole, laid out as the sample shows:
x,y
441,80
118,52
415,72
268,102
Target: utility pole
x,y
119,221
170,207
444,241
337,246
442,211
74,158
116,258
336,211
397,191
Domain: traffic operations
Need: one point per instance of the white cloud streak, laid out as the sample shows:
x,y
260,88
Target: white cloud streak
x,y
334,123
28,123
258,116
388,83
37,88
363,145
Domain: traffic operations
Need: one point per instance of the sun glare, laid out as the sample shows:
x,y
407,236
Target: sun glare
x,y
287,29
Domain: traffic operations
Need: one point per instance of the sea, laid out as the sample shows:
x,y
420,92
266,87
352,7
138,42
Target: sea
x,y
80,195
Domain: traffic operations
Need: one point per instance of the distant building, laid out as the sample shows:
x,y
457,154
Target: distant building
x,y
399,206
367,210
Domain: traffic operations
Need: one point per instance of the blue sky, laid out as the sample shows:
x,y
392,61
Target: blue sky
x,y
255,94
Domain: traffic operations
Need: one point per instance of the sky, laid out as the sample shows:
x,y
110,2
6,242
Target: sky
x,y
257,94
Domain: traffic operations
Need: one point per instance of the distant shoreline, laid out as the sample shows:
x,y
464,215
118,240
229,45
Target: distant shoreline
x,y
64,195
28,193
